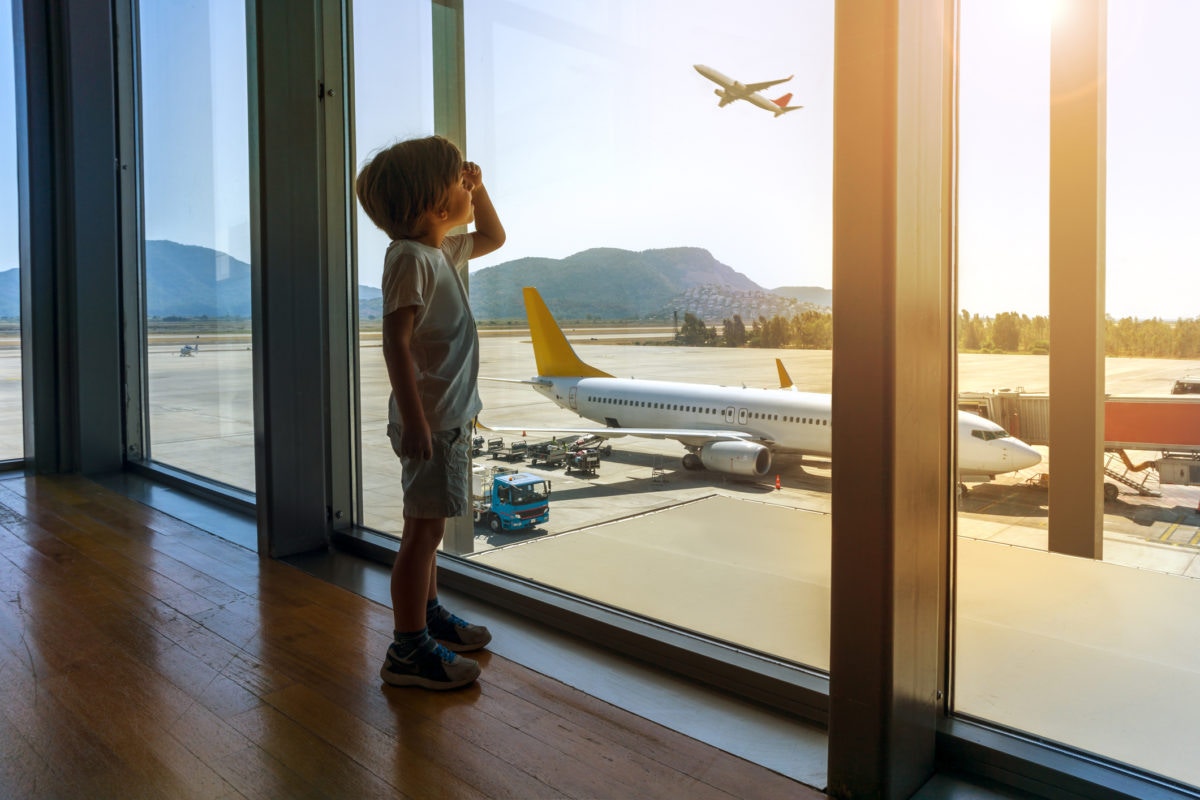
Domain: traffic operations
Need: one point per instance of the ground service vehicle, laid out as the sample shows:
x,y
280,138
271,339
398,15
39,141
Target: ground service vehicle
x,y
507,500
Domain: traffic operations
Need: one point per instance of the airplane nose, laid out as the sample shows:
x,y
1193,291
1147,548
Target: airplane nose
x,y
1022,455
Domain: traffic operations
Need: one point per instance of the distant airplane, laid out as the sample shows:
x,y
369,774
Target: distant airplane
x,y
735,90
723,428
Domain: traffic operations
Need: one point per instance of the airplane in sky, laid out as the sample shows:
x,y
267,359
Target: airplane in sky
x,y
736,90
723,428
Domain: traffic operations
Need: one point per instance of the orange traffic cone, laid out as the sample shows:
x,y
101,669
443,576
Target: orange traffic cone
x,y
777,482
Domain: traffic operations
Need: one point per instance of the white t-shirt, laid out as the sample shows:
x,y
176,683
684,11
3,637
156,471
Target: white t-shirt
x,y
445,345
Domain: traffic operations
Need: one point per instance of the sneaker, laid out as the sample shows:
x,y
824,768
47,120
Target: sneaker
x,y
430,666
455,633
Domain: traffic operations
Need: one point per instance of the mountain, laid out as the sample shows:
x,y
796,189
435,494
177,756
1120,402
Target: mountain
x,y
602,283
822,298
188,281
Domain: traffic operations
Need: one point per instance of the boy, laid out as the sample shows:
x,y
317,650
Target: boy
x,y
417,191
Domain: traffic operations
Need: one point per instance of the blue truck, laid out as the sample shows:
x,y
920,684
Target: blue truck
x,y
505,500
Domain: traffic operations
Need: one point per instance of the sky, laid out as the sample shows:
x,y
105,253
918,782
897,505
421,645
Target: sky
x,y
594,130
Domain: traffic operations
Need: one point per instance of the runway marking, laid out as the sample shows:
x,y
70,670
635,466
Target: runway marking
x,y
1166,535
1195,539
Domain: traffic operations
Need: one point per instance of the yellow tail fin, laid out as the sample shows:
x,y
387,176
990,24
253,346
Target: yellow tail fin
x,y
785,380
553,353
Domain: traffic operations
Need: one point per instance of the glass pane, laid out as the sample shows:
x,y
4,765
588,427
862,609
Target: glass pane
x,y
1095,654
390,39
195,151
12,442
683,244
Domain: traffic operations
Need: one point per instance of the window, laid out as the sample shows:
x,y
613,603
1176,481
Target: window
x,y
12,442
616,172
1063,646
393,100
196,227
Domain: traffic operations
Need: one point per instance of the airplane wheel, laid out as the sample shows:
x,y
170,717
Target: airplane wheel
x,y
692,461
494,523
1110,492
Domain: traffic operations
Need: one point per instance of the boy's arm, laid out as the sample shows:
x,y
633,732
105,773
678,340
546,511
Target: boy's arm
x,y
489,233
415,439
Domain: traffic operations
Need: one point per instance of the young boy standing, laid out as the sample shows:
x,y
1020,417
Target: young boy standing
x,y
417,191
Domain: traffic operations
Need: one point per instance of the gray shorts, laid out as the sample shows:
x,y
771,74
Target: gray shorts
x,y
440,487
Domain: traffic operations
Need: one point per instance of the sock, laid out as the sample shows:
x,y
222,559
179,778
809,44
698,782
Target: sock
x,y
405,644
433,611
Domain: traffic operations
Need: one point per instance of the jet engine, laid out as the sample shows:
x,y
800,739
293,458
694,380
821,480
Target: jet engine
x,y
740,458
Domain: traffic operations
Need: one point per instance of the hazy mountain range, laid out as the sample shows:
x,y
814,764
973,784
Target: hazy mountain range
x,y
602,283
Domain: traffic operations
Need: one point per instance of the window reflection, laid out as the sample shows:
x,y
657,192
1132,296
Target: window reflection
x,y
195,168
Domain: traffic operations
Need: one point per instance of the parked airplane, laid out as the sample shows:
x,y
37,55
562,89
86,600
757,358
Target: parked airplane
x,y
724,428
735,90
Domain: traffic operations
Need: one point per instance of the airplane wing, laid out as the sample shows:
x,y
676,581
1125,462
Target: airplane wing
x,y
758,87
692,437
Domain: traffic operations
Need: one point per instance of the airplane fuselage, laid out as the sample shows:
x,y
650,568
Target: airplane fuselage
x,y
784,421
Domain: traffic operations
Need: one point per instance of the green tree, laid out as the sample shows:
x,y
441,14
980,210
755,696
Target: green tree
x,y
1006,331
813,330
695,332
735,331
968,331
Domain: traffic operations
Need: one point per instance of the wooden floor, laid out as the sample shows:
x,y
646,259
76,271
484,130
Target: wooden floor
x,y
143,658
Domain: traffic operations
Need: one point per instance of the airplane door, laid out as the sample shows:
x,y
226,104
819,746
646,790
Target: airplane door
x,y
571,397
730,415
743,415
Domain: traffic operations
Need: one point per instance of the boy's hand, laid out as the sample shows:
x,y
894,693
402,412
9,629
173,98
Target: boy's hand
x,y
416,441
473,176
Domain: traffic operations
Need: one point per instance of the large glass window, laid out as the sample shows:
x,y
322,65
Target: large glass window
x,y
1093,653
393,100
672,236
12,443
196,212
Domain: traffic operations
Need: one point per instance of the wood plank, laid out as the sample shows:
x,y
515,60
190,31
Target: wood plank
x,y
142,657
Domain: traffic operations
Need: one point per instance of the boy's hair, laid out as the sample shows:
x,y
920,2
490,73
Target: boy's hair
x,y
401,182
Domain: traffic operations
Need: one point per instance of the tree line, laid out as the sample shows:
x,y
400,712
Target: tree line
x,y
1008,332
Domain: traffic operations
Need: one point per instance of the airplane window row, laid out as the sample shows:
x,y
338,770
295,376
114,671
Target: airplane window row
x,y
616,401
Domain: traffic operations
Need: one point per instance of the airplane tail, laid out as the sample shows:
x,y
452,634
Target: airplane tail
x,y
785,380
782,102
553,353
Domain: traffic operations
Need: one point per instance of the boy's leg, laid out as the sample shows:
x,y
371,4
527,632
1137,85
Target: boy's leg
x,y
414,658
412,583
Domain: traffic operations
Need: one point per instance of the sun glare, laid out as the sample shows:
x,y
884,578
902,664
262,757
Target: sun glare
x,y
1038,13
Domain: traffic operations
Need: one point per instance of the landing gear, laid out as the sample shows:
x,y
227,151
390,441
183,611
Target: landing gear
x,y
692,461
1110,492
